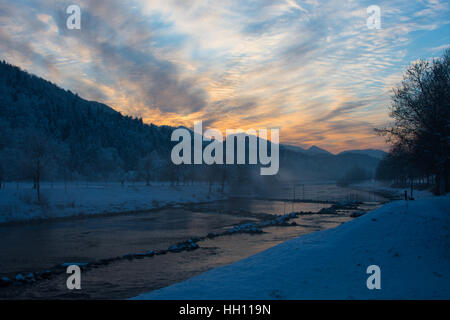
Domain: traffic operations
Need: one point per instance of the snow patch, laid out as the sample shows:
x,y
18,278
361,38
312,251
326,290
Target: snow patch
x,y
408,240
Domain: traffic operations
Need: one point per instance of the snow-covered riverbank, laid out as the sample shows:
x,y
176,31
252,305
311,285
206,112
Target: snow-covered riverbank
x,y
385,189
410,242
18,201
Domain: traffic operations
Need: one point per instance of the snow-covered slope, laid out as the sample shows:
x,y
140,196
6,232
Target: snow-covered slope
x,y
409,242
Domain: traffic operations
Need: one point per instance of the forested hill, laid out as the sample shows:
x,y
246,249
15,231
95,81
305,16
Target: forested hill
x,y
49,133
91,135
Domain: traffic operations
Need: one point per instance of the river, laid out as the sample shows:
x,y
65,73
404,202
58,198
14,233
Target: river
x,y
37,246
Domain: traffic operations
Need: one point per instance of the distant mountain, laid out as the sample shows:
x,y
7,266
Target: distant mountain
x,y
375,153
322,165
292,148
313,150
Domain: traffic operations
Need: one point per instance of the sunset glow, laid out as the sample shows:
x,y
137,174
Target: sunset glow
x,y
311,68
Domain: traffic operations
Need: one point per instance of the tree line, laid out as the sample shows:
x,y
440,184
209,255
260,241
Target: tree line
x,y
419,134
48,133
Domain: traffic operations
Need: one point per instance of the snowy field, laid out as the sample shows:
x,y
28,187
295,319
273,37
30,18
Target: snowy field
x,y
384,187
18,200
409,242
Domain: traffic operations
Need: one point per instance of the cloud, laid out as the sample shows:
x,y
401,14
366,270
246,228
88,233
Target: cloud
x,y
342,110
116,42
312,68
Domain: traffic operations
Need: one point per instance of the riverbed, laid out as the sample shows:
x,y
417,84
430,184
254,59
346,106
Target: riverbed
x,y
36,247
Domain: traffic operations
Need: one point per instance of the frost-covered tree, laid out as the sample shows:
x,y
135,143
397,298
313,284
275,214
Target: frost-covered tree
x,y
421,112
148,166
39,155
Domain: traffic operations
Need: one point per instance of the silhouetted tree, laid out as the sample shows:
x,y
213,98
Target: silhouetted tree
x,y
421,112
148,165
39,153
354,175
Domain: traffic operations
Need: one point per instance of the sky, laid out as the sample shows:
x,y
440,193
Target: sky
x,y
313,69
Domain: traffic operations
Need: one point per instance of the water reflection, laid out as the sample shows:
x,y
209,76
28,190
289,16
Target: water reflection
x,y
34,247
129,278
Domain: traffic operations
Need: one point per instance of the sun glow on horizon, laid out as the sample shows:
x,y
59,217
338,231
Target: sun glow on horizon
x,y
312,69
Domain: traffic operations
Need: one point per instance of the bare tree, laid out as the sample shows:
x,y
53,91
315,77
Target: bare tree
x,y
38,153
421,112
148,165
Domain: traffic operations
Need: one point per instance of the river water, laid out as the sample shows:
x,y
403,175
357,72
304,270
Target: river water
x,y
37,246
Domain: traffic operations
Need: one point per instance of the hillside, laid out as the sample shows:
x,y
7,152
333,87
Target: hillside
x,y
93,138
80,139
